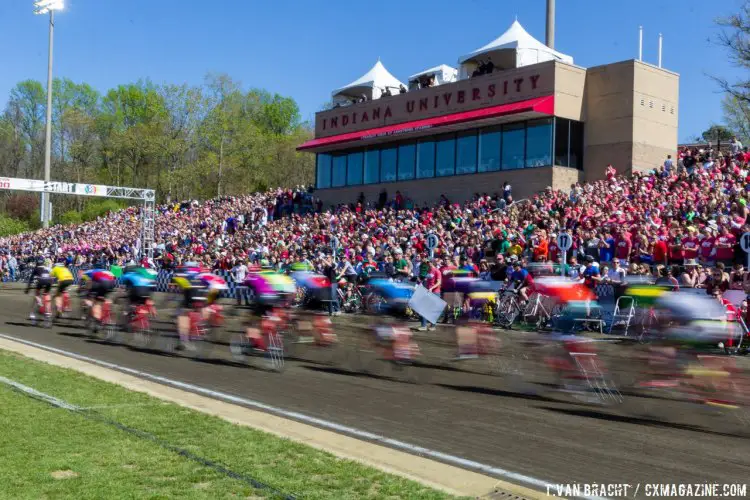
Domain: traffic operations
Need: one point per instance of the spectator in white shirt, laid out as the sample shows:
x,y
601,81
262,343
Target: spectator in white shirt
x,y
239,273
736,146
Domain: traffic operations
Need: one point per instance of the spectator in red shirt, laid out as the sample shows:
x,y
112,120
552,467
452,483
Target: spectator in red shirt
x,y
659,253
725,246
554,250
623,246
676,252
690,245
707,247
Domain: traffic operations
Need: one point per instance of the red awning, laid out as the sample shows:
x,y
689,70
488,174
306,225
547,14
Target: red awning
x,y
543,105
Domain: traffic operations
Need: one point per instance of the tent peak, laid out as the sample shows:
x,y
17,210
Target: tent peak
x,y
376,82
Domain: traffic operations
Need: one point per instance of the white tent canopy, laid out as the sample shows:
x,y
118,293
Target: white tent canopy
x,y
372,85
443,74
513,49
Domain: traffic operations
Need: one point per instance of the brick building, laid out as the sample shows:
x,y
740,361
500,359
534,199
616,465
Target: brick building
x,y
515,111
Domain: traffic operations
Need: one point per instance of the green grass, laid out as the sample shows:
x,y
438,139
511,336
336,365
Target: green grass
x,y
48,452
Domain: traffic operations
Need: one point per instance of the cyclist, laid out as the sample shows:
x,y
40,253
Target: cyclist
x,y
522,281
98,284
43,279
196,290
139,286
64,280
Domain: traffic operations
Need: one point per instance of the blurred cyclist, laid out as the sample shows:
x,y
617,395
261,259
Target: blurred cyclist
x,y
64,280
98,283
139,285
42,278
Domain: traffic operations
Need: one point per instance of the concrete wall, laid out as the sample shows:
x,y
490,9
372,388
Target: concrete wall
x,y
630,113
525,183
655,113
569,91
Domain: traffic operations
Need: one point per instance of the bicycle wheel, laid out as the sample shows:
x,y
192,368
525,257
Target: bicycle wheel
x,y
108,331
508,311
142,333
240,348
197,344
274,356
47,319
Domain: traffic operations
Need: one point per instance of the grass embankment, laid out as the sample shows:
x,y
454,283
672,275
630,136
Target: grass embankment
x,y
125,444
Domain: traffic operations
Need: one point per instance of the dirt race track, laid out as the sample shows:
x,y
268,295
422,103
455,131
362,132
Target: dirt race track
x,y
470,409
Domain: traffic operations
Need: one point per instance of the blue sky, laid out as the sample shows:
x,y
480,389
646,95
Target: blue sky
x,y
306,48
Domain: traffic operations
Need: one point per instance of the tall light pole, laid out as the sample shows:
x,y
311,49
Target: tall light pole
x,y
44,7
550,35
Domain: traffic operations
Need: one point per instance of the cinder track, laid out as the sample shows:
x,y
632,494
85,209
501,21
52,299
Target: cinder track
x,y
456,408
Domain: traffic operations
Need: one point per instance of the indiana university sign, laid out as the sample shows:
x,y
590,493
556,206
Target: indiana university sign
x,y
499,88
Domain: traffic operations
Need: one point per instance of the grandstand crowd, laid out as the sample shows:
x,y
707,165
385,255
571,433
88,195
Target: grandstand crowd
x,y
680,222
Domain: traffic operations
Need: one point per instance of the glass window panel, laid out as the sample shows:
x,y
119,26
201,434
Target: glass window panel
x,y
354,169
372,166
407,157
466,153
562,127
388,164
323,171
576,145
338,178
445,156
539,143
425,159
489,150
514,147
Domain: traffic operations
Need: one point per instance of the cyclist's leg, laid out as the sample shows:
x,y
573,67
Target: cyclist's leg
x,y
35,302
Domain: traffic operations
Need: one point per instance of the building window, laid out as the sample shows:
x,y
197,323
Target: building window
x,y
576,145
323,173
388,158
466,152
514,146
489,149
539,143
354,169
425,159
562,142
407,157
372,166
338,178
445,156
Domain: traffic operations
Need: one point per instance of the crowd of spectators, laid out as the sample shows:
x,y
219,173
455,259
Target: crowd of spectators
x,y
680,222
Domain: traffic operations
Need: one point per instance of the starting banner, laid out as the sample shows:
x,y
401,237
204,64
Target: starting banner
x,y
39,186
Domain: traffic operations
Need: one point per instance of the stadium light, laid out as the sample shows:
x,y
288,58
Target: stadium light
x,y
44,7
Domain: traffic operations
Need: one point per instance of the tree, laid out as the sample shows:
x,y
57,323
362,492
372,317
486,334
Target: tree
x,y
736,39
27,108
221,122
183,141
717,133
737,116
